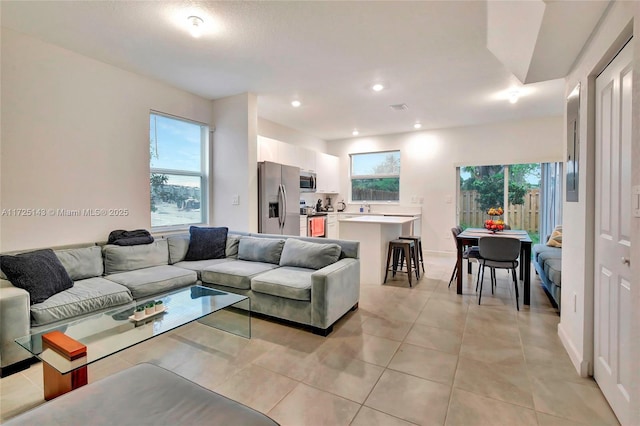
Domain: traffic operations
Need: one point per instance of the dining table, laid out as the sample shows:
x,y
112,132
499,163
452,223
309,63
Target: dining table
x,y
470,237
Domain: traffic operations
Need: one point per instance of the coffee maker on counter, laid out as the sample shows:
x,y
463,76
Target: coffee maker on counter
x,y
328,207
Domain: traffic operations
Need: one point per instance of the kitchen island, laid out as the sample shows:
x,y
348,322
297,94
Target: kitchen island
x,y
374,234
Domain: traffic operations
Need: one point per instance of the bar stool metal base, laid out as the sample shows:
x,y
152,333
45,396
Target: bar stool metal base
x,y
406,249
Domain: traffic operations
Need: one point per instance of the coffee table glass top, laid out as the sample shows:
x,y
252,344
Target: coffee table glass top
x,y
109,332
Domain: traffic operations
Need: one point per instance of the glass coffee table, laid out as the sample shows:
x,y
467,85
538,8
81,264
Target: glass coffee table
x,y
68,349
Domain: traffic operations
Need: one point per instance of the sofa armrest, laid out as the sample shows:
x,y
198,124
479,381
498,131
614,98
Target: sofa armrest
x,y
334,290
14,322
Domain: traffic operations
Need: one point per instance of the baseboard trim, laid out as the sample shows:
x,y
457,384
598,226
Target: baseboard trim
x,y
578,361
439,253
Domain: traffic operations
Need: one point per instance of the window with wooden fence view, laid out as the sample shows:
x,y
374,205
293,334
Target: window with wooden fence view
x,y
483,187
375,176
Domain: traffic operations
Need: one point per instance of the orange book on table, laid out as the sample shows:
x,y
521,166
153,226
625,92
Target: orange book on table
x,y
317,226
64,345
56,383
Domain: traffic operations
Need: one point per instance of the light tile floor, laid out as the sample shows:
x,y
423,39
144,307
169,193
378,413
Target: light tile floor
x,y
421,355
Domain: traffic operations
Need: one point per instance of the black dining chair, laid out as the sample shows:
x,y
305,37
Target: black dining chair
x,y
499,253
467,253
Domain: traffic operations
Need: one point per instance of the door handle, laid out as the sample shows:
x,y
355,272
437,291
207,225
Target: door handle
x,y
284,198
280,205
625,261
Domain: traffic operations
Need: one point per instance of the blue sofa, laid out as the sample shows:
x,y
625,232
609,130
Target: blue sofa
x,y
548,264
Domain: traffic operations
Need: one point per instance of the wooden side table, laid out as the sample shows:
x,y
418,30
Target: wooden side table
x,y
56,383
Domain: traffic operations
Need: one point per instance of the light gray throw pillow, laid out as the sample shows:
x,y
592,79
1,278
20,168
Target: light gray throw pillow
x,y
129,258
232,246
267,250
309,255
81,263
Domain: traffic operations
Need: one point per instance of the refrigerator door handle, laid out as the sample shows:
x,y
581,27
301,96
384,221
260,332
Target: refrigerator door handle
x,y
284,211
280,205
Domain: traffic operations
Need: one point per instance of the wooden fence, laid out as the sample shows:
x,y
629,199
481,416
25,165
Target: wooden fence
x,y
524,216
361,194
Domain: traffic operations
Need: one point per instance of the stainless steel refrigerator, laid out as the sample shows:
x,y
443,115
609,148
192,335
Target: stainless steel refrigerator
x,y
278,199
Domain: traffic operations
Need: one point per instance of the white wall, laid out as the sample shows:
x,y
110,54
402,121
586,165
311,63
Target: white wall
x,y
235,156
576,328
429,160
75,135
276,131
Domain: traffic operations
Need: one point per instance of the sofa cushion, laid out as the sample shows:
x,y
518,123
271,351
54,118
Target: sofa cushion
x,y
38,272
199,265
549,254
233,242
308,255
86,296
553,270
267,250
546,252
179,244
155,280
234,273
82,263
206,243
130,258
288,282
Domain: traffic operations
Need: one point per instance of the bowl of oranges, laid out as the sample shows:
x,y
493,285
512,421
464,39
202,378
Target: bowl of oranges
x,y
496,223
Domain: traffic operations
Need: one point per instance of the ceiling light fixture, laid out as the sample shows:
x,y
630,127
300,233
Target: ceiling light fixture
x,y
377,87
196,25
355,132
514,95
296,103
417,125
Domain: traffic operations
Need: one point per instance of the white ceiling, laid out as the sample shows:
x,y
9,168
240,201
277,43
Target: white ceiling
x,y
432,55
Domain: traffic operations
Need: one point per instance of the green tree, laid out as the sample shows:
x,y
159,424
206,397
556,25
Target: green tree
x,y
488,181
157,180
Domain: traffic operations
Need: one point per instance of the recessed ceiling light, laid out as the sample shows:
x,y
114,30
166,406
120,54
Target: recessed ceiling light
x,y
296,103
355,132
377,87
399,107
514,95
195,27
417,125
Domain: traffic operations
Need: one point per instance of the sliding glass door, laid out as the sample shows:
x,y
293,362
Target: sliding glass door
x,y
516,186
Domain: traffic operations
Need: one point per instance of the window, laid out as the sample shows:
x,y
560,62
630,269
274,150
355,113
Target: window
x,y
178,171
527,192
375,176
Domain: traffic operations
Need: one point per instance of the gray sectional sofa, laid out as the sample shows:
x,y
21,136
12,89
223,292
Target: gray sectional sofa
x,y
309,281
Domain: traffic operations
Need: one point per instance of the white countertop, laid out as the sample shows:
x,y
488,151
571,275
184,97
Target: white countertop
x,y
380,219
380,214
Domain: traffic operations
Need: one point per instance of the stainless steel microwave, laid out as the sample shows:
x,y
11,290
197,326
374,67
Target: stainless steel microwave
x,y
307,181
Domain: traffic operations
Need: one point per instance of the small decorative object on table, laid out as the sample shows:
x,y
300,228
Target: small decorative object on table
x,y
139,313
150,308
495,224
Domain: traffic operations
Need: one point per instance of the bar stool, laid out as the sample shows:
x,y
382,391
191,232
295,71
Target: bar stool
x,y
396,248
418,242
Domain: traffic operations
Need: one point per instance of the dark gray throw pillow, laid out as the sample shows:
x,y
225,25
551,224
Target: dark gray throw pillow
x,y
206,243
39,272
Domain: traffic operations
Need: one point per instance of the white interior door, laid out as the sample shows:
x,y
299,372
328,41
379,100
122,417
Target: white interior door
x,y
612,297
